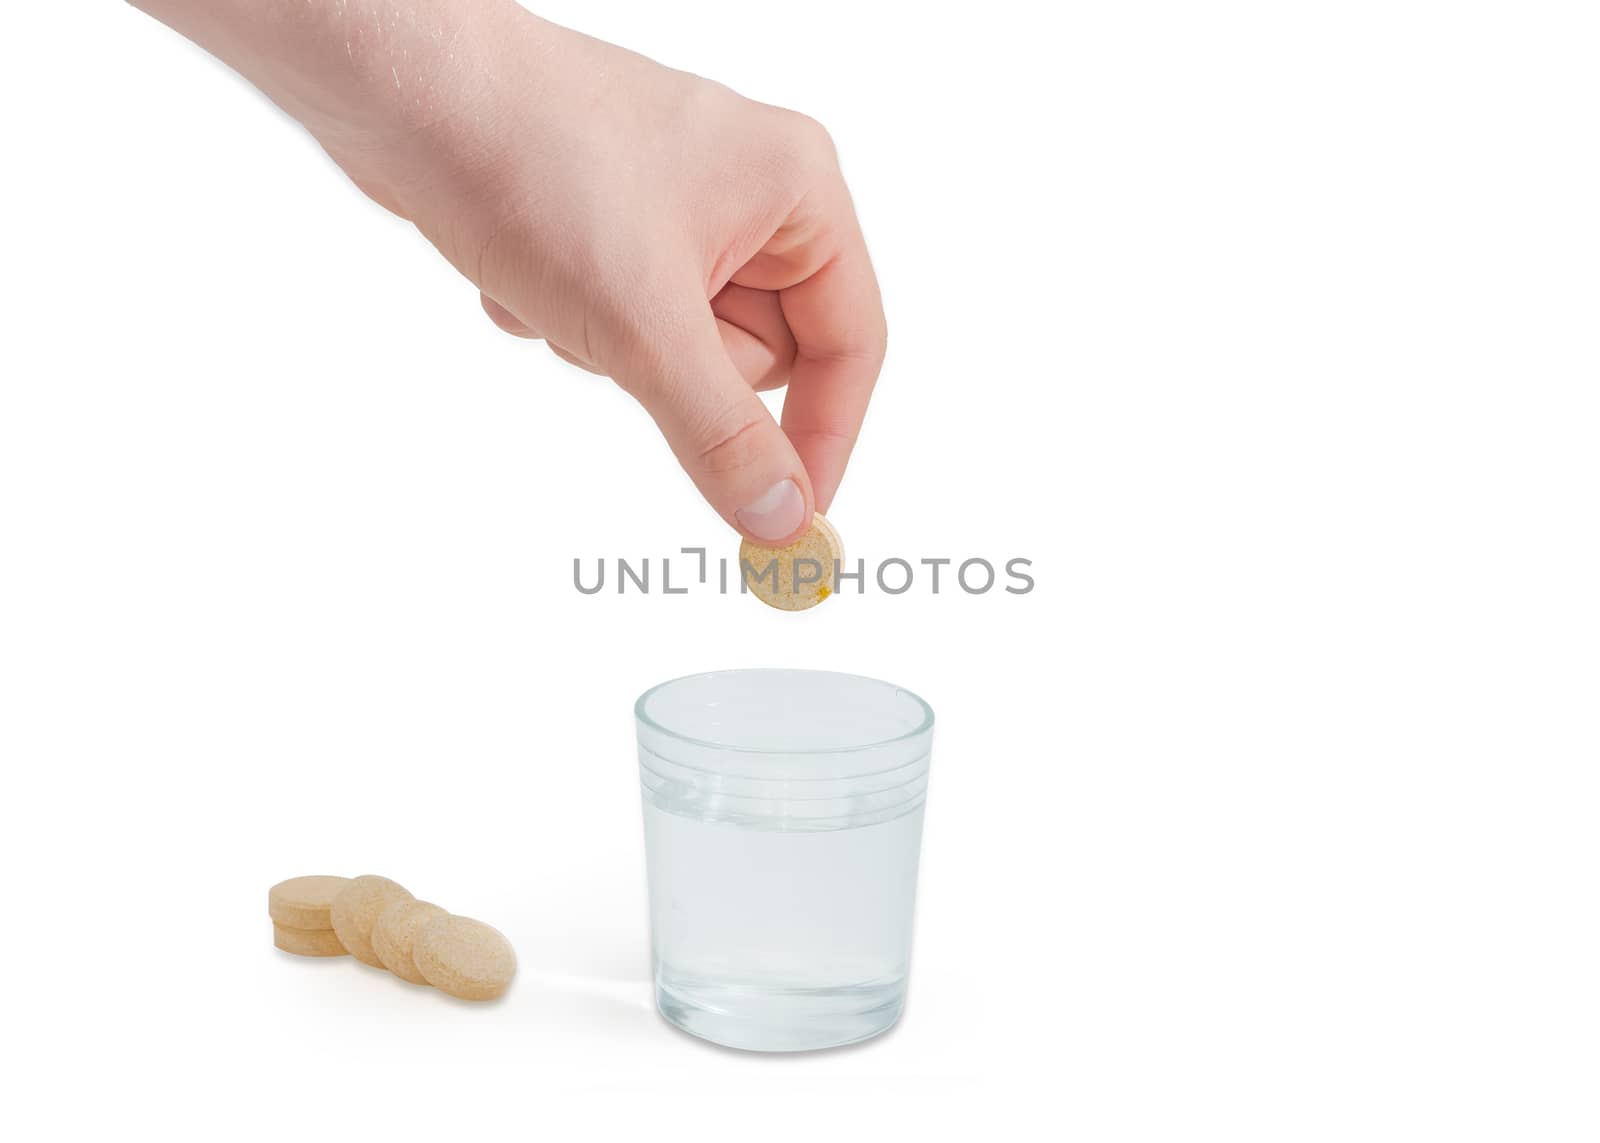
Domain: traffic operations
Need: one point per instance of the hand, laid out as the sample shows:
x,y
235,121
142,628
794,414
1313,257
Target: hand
x,y
649,225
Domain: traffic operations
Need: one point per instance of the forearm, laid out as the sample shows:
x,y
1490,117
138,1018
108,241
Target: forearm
x,y
359,74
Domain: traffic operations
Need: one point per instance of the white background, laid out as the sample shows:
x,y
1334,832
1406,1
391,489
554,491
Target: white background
x,y
1268,332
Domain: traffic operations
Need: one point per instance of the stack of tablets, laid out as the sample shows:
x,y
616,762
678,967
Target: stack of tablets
x,y
380,923
301,909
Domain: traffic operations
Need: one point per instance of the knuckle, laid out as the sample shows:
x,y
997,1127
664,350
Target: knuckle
x,y
799,147
814,140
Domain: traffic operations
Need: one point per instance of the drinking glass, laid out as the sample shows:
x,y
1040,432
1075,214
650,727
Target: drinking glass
x,y
783,822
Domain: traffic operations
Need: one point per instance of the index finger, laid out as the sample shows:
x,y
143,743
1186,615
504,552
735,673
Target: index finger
x,y
836,316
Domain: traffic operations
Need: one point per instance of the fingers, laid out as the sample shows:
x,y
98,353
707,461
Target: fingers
x,y
722,434
817,262
840,337
698,388
755,335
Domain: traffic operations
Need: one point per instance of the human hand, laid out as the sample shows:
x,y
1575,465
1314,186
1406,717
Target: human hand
x,y
649,225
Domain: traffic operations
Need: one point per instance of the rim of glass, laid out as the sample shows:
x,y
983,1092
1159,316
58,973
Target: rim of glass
x,y
921,728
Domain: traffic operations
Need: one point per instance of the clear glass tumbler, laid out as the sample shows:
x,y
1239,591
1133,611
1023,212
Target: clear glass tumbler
x,y
783,821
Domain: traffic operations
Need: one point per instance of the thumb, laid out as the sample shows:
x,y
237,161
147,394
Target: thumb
x,y
722,434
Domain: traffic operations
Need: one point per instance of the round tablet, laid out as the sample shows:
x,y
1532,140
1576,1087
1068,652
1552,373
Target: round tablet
x,y
355,910
303,902
465,958
307,942
396,929
798,576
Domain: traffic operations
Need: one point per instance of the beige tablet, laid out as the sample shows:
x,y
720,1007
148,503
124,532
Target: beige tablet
x,y
465,958
796,577
396,930
304,902
355,910
307,942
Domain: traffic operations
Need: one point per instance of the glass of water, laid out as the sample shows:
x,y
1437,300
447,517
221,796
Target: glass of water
x,y
783,820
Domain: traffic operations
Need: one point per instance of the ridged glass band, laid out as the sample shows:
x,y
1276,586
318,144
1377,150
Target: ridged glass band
x,y
784,750
783,804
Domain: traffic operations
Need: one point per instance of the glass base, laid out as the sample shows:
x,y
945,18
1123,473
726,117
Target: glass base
x,y
778,1019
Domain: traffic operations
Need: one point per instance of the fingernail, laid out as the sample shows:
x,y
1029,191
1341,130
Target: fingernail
x,y
778,512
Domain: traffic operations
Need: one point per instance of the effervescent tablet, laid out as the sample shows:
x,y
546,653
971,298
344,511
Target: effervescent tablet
x,y
304,902
395,931
355,910
465,958
307,942
795,577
